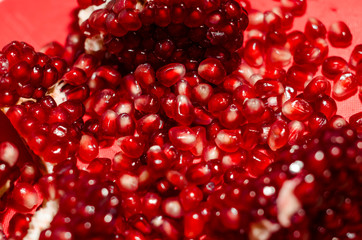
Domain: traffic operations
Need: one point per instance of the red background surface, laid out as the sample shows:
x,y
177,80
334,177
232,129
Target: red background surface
x,y
40,21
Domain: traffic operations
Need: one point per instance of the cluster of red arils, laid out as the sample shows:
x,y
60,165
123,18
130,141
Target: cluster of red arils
x,y
207,147
161,32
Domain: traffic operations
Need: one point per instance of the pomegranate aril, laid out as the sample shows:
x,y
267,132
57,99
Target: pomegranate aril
x,y
297,130
278,135
50,76
18,225
75,76
88,148
132,146
170,74
278,57
25,197
253,53
182,137
326,105
199,173
308,54
334,65
356,56
356,121
294,39
232,117
202,93
149,124
317,121
147,103
317,87
339,35
345,85
296,7
212,70
337,122
297,109
267,88
258,161
218,102
297,76
253,109
314,28
228,140
184,110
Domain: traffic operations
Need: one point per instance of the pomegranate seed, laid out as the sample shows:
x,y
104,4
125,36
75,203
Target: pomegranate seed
x,y
345,85
132,146
334,65
172,207
146,103
19,224
317,87
278,135
231,117
267,88
170,74
356,56
87,63
297,77
356,121
339,35
234,159
296,7
212,70
129,20
200,141
317,121
297,130
9,153
108,123
132,86
88,148
253,109
294,39
182,137
297,109
219,102
193,224
145,75
259,160
228,140
25,197
75,77
337,122
278,57
253,53
308,54
149,124
184,110
202,93
199,173
314,29
127,182
326,105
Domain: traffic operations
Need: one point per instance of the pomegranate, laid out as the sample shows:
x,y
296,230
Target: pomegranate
x,y
156,121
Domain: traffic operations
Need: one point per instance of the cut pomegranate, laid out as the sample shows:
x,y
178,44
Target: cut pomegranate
x,y
160,124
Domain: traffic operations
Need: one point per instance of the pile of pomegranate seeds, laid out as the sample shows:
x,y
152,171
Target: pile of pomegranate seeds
x,y
157,120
